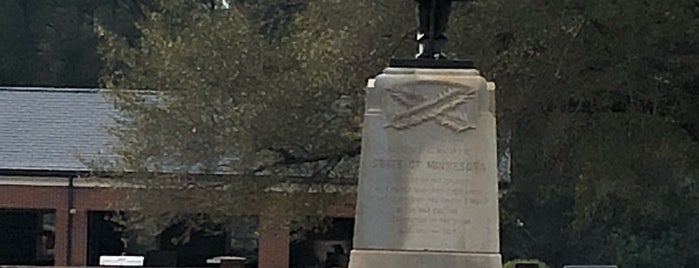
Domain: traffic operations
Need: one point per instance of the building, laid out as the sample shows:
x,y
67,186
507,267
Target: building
x,y
50,214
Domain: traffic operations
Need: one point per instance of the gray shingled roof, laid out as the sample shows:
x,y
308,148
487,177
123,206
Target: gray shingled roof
x,y
51,129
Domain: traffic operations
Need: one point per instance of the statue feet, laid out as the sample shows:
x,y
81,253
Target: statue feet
x,y
431,49
432,56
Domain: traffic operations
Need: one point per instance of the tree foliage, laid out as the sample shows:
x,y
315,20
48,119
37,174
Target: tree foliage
x,y
600,100
234,95
236,99
52,43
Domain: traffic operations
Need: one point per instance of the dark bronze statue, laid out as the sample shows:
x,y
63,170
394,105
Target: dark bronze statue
x,y
433,17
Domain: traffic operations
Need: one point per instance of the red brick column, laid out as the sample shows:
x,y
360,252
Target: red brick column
x,y
79,251
273,242
60,248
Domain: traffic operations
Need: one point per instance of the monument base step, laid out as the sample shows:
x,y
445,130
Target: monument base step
x,y
422,259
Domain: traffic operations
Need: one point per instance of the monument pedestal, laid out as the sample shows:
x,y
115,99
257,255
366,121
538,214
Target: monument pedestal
x,y
414,259
427,194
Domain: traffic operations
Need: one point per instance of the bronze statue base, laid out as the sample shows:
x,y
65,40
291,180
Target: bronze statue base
x,y
432,64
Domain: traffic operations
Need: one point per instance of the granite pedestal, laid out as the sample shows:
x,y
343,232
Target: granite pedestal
x,y
428,175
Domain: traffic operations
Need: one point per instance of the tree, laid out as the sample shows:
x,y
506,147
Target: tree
x,y
599,100
51,43
240,102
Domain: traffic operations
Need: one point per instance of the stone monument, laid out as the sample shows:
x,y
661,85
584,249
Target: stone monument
x,y
427,194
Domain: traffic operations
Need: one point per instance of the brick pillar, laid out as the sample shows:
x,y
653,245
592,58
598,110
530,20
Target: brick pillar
x,y
273,243
79,251
60,248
